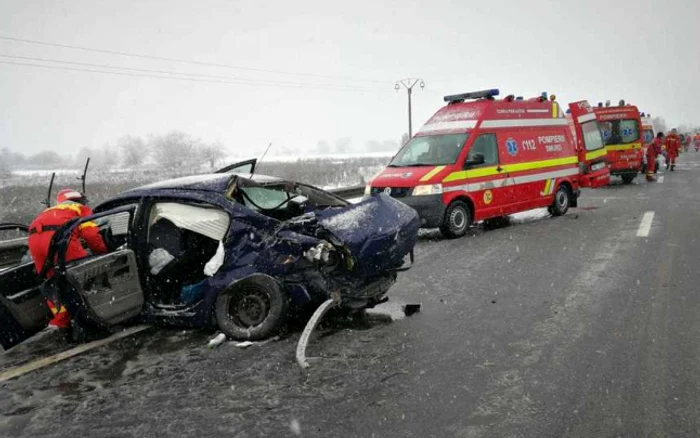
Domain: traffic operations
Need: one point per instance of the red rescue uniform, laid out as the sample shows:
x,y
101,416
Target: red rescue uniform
x,y
653,151
41,231
673,146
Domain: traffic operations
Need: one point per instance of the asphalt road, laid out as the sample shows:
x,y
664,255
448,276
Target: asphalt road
x,y
575,326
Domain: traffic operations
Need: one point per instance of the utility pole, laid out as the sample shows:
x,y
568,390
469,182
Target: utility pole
x,y
408,84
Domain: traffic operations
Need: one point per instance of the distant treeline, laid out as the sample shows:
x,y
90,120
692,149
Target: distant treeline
x,y
174,149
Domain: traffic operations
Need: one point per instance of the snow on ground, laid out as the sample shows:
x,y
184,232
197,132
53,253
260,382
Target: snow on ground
x,y
529,216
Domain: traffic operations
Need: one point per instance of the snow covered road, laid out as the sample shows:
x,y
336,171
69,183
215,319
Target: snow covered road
x,y
548,327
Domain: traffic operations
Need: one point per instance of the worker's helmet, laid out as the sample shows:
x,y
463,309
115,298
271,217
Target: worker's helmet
x,y
69,195
674,131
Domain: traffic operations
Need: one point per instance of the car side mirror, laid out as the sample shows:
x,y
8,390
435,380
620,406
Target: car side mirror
x,y
476,160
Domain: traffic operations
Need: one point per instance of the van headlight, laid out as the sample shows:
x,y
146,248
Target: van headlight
x,y
427,189
368,190
598,166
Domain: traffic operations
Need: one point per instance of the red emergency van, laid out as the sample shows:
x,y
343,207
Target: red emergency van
x,y
648,136
589,145
480,157
621,129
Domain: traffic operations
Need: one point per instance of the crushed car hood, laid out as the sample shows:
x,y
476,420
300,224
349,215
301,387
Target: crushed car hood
x,y
379,232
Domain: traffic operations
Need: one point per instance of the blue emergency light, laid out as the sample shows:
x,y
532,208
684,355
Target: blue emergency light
x,y
488,94
568,111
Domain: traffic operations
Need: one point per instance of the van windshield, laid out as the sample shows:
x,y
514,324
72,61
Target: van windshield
x,y
591,136
620,131
433,150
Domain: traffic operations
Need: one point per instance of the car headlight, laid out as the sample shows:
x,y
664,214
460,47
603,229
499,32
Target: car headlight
x,y
597,166
427,189
368,190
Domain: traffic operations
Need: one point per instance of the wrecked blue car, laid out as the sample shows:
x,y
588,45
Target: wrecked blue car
x,y
225,250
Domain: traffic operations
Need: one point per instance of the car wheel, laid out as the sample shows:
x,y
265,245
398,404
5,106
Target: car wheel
x,y
562,200
457,220
627,179
253,309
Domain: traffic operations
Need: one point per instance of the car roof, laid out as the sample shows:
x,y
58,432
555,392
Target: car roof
x,y
215,182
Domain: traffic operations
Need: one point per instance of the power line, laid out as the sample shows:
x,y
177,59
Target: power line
x,y
182,78
186,61
251,81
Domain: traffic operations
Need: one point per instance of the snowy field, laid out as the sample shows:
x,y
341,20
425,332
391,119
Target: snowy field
x,y
22,191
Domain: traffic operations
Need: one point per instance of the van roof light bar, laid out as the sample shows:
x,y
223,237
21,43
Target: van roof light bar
x,y
488,94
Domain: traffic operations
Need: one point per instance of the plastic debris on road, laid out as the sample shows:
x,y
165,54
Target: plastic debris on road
x,y
216,341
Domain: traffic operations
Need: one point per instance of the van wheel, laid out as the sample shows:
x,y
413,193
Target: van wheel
x,y
562,200
627,179
253,309
457,220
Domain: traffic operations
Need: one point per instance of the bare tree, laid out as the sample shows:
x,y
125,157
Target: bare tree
x,y
133,149
174,149
212,153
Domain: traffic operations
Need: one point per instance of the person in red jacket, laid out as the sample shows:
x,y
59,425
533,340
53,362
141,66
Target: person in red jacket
x,y
673,147
653,151
70,205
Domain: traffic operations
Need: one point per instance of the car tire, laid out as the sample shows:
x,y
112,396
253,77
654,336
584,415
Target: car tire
x,y
253,309
627,179
457,220
562,201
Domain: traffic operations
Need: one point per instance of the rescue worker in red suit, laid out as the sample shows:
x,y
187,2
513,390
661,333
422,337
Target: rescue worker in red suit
x,y
696,140
688,141
70,205
673,148
653,151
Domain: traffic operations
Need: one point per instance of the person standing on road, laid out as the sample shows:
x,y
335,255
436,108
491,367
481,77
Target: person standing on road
x,y
696,140
654,150
71,204
688,141
673,146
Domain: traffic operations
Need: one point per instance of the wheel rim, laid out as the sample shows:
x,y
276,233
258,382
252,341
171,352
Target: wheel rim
x,y
562,199
250,308
458,219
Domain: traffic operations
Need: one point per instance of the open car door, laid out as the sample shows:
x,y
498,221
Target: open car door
x,y
23,311
13,244
103,289
589,145
241,167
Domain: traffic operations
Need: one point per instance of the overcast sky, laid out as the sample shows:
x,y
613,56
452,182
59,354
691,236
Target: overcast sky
x,y
645,51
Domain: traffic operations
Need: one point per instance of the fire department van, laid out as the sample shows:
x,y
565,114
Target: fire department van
x,y
648,136
621,129
589,145
479,158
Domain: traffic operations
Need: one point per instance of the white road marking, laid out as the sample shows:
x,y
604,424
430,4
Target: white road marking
x,y
41,363
661,179
645,225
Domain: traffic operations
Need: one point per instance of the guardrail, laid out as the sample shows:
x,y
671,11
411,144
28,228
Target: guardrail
x,y
349,192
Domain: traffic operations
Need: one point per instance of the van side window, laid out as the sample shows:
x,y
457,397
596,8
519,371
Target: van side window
x,y
486,145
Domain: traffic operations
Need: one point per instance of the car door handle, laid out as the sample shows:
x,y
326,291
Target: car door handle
x,y
499,169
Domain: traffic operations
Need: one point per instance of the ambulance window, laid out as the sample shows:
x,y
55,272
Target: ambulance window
x,y
591,136
648,135
620,131
486,145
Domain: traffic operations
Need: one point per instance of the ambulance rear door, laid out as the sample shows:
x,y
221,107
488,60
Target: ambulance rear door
x,y
589,145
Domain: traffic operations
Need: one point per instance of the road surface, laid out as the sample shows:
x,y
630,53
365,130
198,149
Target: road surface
x,y
587,325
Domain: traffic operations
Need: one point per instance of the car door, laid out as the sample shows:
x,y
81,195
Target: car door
x,y
13,244
242,167
107,285
489,180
